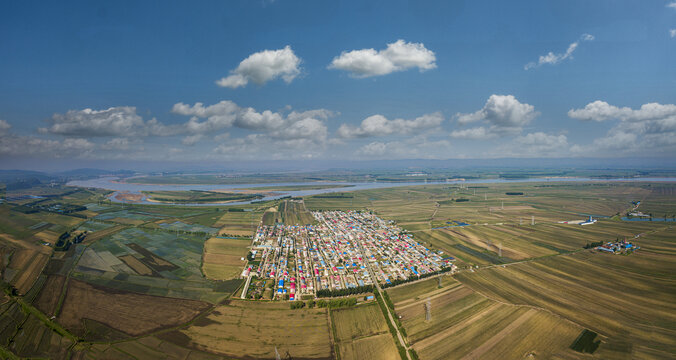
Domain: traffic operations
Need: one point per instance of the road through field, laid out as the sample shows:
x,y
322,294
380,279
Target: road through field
x,y
390,318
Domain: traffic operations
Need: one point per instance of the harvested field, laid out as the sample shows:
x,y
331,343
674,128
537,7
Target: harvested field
x,y
100,234
29,265
245,329
48,298
361,332
137,265
133,314
222,257
629,299
357,322
238,223
377,347
465,324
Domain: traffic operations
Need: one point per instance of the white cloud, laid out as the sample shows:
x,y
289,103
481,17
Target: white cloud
x,y
306,128
378,125
651,128
226,114
296,125
16,145
601,111
114,121
257,146
191,139
672,33
398,56
116,144
4,126
262,67
539,142
375,148
417,147
503,114
553,59
476,133
672,5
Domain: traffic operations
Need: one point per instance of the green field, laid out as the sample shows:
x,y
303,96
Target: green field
x,y
176,273
195,196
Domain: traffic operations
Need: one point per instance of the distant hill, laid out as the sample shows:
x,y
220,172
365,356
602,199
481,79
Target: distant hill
x,y
22,179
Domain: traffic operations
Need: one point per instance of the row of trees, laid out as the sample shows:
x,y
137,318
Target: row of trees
x,y
332,304
421,276
593,244
345,292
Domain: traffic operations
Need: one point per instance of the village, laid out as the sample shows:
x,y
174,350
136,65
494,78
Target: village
x,y
343,250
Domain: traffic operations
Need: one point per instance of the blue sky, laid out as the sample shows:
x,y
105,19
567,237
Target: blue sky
x,y
336,80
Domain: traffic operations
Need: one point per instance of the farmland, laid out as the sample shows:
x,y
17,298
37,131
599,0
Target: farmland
x,y
361,332
254,329
156,262
157,281
222,257
289,212
466,324
197,196
91,312
606,294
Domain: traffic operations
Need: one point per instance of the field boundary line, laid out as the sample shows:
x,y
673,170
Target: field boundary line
x,y
536,308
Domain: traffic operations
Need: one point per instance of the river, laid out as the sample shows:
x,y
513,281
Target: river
x,y
112,183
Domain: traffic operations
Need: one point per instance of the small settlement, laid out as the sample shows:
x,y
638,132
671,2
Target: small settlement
x,y
342,250
620,247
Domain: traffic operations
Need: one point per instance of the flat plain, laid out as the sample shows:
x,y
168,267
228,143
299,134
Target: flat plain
x,y
156,281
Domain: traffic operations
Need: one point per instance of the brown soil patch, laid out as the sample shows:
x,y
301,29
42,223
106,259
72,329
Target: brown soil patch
x,y
136,265
128,197
48,298
133,314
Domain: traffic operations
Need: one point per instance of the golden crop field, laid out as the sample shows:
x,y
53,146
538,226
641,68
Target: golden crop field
x,y
222,257
466,324
361,332
238,223
254,329
628,299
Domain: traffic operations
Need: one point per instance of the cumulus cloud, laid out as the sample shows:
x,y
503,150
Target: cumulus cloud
x,y
414,147
114,121
502,115
255,146
16,145
305,128
651,127
191,139
539,142
672,33
226,114
293,126
476,133
601,111
398,56
378,125
262,67
4,126
553,59
672,5
116,144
